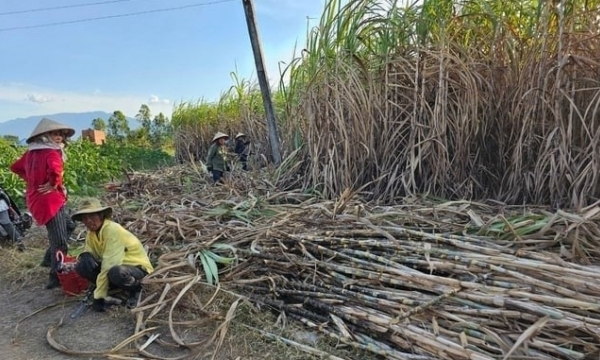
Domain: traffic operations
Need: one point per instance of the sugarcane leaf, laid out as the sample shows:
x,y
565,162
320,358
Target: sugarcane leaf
x,y
220,259
214,271
527,335
206,267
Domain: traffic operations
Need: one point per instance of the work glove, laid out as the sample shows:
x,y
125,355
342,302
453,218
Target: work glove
x,y
99,305
209,168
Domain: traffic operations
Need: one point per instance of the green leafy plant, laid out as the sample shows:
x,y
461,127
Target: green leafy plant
x,y
87,167
10,182
210,260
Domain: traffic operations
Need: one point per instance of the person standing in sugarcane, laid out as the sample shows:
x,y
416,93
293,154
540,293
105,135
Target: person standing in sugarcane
x,y
41,167
216,159
242,149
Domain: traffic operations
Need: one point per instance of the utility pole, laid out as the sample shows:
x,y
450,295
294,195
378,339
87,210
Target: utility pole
x,y
265,89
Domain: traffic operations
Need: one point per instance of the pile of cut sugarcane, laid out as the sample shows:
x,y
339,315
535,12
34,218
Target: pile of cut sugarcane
x,y
419,280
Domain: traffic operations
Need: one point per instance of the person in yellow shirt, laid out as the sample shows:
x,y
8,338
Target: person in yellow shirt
x,y
113,258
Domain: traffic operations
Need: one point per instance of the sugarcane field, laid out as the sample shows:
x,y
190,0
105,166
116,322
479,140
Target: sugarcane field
x,y
433,193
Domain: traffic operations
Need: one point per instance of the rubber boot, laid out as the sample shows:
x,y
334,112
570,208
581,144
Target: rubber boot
x,y
53,281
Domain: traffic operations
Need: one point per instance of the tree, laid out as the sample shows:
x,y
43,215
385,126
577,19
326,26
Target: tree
x,y
144,116
118,127
161,131
141,136
99,124
11,139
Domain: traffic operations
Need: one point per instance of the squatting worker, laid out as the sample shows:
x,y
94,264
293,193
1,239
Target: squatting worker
x,y
41,167
113,258
216,159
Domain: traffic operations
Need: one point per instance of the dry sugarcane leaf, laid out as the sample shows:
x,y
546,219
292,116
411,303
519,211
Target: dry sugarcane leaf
x,y
405,261
527,335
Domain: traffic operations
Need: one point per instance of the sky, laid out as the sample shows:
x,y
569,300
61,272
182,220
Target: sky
x,y
159,58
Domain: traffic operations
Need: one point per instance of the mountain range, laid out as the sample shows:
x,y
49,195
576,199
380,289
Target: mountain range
x,y
22,127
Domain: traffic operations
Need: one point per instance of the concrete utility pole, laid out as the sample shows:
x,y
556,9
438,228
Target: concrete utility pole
x,y
263,82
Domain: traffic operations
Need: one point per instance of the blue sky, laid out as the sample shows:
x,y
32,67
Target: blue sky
x,y
159,59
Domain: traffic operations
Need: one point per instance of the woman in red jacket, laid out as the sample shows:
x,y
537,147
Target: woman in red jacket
x,y
42,169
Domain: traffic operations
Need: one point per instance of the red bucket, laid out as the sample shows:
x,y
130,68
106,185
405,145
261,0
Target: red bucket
x,y
71,282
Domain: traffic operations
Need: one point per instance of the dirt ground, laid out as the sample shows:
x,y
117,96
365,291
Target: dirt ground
x,y
25,338
28,312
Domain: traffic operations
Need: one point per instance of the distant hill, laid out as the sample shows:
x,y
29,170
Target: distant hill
x,y
22,127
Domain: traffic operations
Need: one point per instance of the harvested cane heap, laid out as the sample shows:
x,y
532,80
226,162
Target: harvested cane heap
x,y
453,280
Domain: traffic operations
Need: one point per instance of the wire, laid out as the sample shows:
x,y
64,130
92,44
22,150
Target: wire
x,y
114,16
61,7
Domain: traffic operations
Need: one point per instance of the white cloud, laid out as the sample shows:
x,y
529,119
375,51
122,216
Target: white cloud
x,y
36,98
22,100
156,100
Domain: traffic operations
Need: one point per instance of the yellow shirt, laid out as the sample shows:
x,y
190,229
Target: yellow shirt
x,y
114,245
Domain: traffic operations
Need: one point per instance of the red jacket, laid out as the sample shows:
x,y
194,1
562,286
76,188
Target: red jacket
x,y
38,167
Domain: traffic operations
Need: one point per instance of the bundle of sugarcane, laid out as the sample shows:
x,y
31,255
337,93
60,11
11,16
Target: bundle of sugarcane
x,y
432,295
418,280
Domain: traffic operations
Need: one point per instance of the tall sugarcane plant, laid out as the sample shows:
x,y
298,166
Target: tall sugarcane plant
x,y
457,99
453,98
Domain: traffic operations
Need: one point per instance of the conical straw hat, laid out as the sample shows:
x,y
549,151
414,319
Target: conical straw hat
x,y
46,125
219,135
240,135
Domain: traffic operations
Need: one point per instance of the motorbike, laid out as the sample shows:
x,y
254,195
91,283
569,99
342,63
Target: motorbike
x,y
14,223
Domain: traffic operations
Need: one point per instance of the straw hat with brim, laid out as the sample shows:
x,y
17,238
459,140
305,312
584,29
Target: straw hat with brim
x,y
239,135
91,206
46,125
220,135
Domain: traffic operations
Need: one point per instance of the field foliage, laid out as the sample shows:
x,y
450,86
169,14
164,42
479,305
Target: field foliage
x,y
457,99
87,167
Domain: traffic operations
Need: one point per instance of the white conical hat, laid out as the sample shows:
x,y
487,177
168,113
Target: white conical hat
x,y
240,135
219,135
46,125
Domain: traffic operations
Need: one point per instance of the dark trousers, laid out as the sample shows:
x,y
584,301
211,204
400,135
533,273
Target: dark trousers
x,y
57,236
217,176
59,230
124,277
244,160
